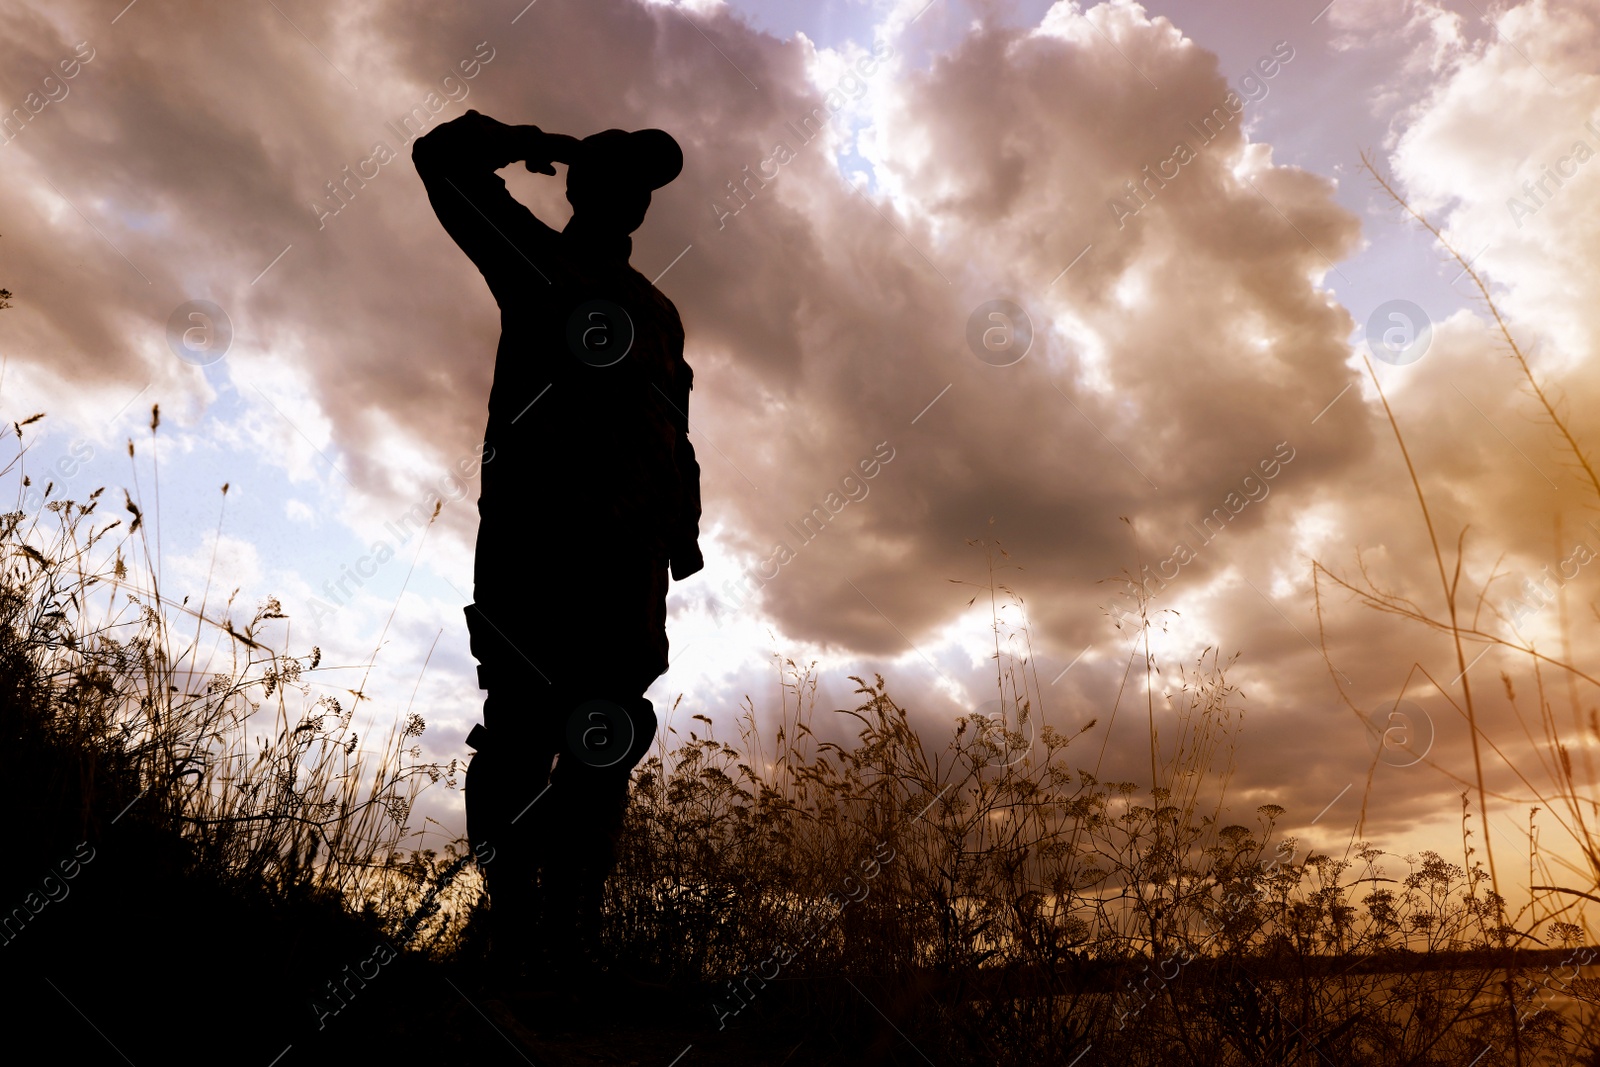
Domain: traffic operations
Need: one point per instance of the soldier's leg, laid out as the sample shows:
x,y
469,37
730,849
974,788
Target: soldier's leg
x,y
505,780
589,790
609,730
509,770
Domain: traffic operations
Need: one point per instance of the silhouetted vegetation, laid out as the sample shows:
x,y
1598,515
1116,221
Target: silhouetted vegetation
x,y
994,899
1002,905
205,834
197,838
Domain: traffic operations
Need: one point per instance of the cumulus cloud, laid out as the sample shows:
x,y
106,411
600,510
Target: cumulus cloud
x,y
823,317
1486,111
1093,170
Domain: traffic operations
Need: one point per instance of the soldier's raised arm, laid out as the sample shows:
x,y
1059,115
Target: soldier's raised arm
x,y
457,161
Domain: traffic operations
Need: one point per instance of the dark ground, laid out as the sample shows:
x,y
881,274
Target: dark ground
x,y
142,962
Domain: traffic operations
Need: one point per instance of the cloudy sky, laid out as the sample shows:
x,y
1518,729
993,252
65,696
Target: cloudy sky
x,y
1164,204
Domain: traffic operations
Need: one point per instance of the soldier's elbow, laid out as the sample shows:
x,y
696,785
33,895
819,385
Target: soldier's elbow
x,y
427,148
432,148
424,155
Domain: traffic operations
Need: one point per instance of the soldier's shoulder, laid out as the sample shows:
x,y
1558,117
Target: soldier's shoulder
x,y
661,299
657,304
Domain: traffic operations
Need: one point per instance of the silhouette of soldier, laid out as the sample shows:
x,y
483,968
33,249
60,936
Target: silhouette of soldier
x,y
590,493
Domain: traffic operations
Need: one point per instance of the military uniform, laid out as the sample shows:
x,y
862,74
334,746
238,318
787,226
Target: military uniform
x,y
590,494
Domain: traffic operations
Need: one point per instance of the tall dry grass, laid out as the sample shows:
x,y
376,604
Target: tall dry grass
x,y
997,908
1557,786
191,716
991,898
986,898
999,903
